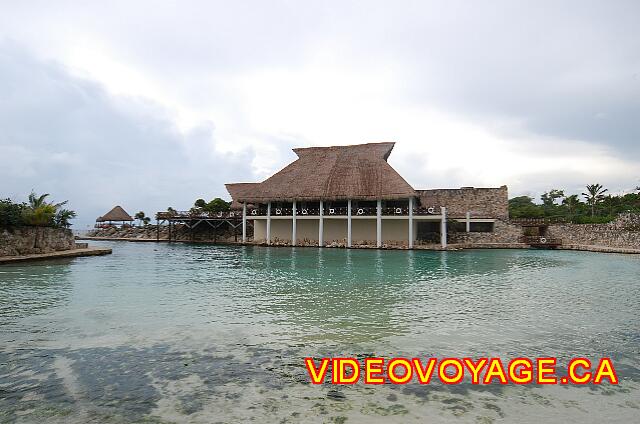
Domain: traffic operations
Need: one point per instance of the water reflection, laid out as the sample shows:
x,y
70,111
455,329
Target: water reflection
x,y
159,332
27,290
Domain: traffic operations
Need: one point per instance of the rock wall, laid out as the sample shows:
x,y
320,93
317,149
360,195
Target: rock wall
x,y
624,232
481,202
202,232
503,233
34,240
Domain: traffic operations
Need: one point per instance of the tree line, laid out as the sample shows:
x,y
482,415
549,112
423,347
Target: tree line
x,y
36,212
594,205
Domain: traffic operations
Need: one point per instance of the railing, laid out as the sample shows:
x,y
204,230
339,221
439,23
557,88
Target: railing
x,y
198,215
281,211
284,212
369,211
308,211
328,211
431,210
395,211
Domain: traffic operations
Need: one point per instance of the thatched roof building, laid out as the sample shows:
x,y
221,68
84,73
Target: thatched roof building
x,y
330,173
117,214
238,191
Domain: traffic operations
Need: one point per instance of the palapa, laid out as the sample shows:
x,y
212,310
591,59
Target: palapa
x,y
333,173
115,214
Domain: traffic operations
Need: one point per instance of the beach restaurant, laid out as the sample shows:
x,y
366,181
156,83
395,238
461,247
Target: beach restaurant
x,y
350,195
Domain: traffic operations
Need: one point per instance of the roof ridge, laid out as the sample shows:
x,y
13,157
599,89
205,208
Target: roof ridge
x,y
358,171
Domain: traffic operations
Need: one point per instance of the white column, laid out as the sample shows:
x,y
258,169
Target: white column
x,y
321,225
410,222
269,223
468,222
244,222
379,224
293,229
443,227
349,223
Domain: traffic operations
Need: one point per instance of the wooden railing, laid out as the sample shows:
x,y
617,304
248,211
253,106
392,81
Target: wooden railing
x,y
328,211
198,215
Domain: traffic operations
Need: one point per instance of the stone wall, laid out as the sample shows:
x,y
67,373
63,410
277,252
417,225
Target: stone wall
x,y
624,232
202,232
481,202
34,240
503,233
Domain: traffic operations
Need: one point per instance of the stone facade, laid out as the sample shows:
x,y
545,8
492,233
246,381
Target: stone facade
x,y
624,233
503,233
481,202
35,240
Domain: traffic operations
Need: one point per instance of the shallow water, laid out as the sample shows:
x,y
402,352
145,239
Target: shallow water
x,y
198,333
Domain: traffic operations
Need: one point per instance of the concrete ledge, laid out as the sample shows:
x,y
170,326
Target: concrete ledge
x,y
489,245
161,240
451,246
55,255
602,249
122,239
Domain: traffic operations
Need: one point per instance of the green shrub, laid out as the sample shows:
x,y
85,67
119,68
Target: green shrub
x,y
11,214
38,212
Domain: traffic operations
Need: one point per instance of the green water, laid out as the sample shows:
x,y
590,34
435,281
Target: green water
x,y
197,333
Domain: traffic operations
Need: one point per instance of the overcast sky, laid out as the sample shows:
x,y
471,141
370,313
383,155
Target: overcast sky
x,y
154,104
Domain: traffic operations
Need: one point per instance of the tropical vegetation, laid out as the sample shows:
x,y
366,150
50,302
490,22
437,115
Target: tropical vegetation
x,y
214,206
142,218
594,205
36,212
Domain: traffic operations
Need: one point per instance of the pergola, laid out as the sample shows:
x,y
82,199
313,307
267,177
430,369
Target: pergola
x,y
117,215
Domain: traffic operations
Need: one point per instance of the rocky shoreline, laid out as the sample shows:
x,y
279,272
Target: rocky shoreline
x,y
161,233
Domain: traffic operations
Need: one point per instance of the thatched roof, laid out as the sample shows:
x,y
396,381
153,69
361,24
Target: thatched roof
x,y
238,190
330,173
115,214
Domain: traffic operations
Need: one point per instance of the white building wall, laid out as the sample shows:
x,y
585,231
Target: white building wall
x,y
281,230
259,230
395,230
335,230
308,230
364,231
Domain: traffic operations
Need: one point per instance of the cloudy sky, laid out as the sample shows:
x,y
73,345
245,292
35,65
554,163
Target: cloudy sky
x,y
153,104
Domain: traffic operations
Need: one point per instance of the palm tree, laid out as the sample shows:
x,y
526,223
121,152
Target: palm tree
x,y
41,213
571,202
171,211
594,195
62,218
36,201
140,216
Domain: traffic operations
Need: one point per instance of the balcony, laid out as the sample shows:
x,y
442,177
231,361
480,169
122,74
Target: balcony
x,y
343,211
192,215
